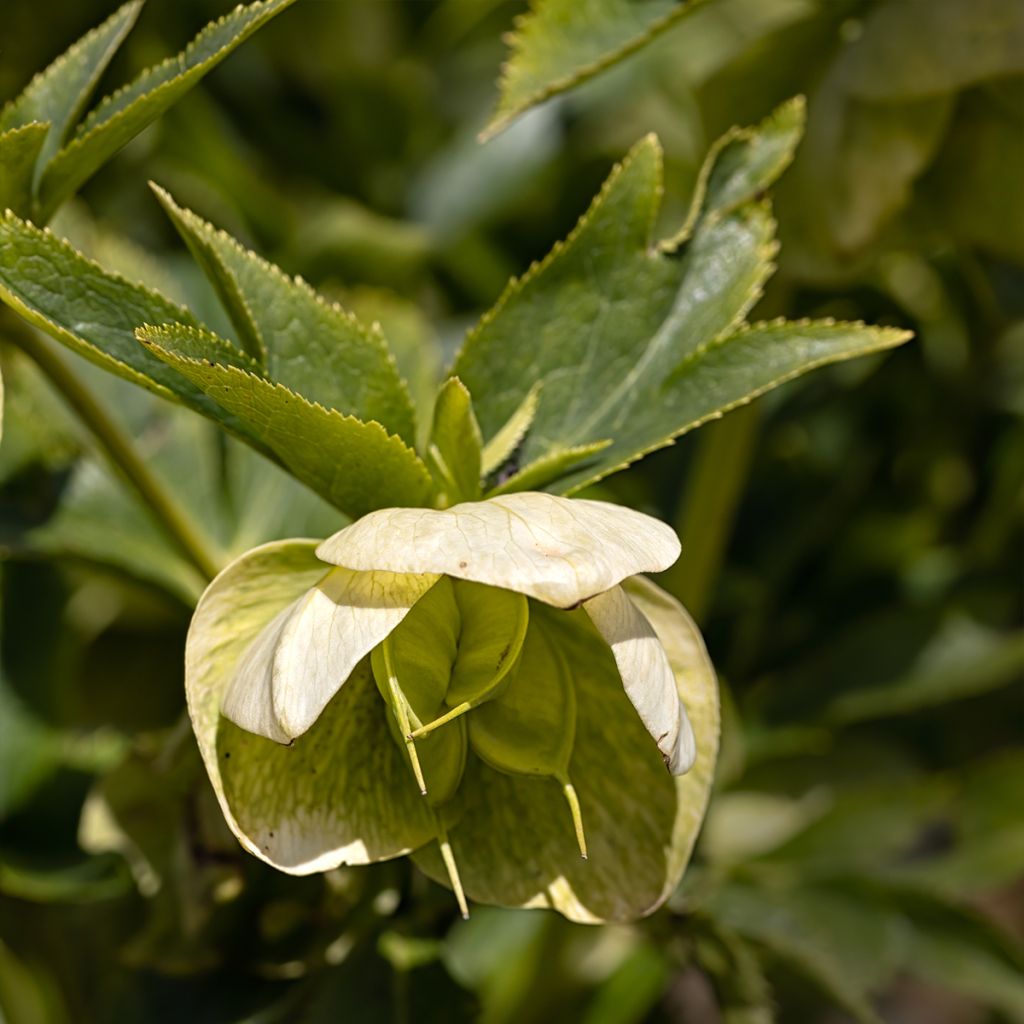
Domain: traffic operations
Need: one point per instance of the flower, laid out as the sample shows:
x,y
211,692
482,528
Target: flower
x,y
436,682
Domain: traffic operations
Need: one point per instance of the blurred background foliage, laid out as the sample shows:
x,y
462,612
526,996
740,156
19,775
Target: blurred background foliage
x,y
853,544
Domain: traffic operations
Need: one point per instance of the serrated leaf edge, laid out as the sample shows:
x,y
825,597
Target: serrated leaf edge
x,y
70,53
565,245
97,355
888,337
373,425
503,116
500,448
572,455
96,116
145,333
95,121
738,133
372,333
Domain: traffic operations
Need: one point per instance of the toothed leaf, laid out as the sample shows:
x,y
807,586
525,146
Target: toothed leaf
x,y
19,151
548,468
453,453
502,447
92,312
59,94
560,43
356,466
626,336
310,345
122,115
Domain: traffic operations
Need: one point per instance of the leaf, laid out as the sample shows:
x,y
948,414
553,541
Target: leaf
x,y
955,956
356,466
641,343
311,346
961,660
19,150
234,496
559,43
29,751
317,803
848,949
512,842
737,973
122,115
453,453
59,94
548,468
502,447
923,48
92,312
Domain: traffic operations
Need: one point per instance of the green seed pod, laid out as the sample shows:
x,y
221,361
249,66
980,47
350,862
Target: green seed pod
x,y
531,728
492,629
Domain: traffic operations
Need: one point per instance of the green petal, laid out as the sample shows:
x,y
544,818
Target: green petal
x,y
341,793
511,841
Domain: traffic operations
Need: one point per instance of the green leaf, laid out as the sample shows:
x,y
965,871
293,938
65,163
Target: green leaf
x,y
122,115
560,43
313,347
19,150
960,952
910,51
963,659
848,949
92,312
356,466
59,94
502,447
548,468
453,453
737,973
641,343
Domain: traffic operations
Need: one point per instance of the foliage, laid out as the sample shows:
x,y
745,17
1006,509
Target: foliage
x,y
851,540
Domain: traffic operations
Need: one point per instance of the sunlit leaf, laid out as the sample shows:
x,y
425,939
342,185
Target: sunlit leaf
x,y
560,43
313,347
654,335
123,114
356,466
59,95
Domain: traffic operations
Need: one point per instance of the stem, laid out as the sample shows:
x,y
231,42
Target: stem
x,y
704,522
117,445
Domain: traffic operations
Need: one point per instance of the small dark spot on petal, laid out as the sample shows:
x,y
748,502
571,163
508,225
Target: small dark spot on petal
x,y
463,565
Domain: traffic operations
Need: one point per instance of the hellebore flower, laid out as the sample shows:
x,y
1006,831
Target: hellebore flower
x,y
489,687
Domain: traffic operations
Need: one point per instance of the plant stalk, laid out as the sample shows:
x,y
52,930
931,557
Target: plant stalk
x,y
705,519
117,445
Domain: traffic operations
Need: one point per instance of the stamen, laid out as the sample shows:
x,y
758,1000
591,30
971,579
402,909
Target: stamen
x,y
577,816
456,712
450,866
402,714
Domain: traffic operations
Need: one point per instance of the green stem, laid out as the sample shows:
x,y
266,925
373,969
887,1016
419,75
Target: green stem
x,y
117,445
705,519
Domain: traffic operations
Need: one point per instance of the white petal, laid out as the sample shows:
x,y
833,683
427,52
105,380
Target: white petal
x,y
303,656
558,550
647,676
249,700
